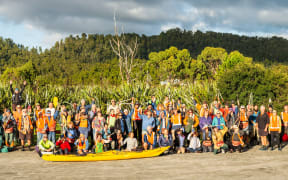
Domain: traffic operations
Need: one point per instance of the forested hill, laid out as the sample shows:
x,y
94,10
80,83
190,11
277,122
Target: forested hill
x,y
89,59
98,48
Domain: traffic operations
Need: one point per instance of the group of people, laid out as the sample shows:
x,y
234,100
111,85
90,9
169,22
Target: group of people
x,y
214,127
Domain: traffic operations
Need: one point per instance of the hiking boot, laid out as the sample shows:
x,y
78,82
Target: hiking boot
x,y
262,148
272,148
29,148
279,149
22,149
222,151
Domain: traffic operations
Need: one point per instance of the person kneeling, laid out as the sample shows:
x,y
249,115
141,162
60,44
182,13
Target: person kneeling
x,y
82,145
64,145
45,146
149,139
179,142
218,141
207,145
195,145
237,142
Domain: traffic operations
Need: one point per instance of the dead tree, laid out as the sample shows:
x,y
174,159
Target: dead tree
x,y
125,51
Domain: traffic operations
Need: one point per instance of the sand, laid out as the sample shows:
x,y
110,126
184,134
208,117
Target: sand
x,y
253,164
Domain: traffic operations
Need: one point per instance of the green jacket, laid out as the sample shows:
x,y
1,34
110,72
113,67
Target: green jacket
x,y
46,145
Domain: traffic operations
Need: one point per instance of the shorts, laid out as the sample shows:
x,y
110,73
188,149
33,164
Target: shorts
x,y
175,127
26,136
262,132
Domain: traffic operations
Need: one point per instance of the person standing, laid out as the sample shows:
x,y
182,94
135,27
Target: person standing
x,y
262,123
16,95
284,117
275,130
25,128
8,125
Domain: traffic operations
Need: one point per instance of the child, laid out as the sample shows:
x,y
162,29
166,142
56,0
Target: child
x,y
195,145
180,142
71,133
99,143
111,120
82,145
106,135
131,142
64,145
165,139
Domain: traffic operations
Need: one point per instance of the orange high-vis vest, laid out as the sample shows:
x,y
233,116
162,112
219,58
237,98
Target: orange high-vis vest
x,y
17,116
80,145
207,143
176,119
83,122
244,120
237,143
51,123
20,123
135,115
284,117
37,113
275,123
150,138
40,124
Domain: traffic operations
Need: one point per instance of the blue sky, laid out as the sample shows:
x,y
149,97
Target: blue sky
x,y
37,23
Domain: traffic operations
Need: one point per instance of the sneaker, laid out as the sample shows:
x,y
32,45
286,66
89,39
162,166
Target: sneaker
x,y
279,149
272,148
262,148
223,151
22,149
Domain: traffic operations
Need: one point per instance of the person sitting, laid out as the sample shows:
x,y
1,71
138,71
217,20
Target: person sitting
x,y
71,134
149,139
236,140
106,135
165,139
207,145
179,142
99,144
45,146
64,145
118,143
218,139
131,142
194,145
82,145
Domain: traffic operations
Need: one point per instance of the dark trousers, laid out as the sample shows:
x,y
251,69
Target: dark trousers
x,y
137,128
65,151
275,138
239,148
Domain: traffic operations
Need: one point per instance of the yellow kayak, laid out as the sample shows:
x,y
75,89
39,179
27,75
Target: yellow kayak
x,y
107,156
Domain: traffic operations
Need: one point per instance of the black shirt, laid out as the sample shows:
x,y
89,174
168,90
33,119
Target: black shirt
x,y
262,120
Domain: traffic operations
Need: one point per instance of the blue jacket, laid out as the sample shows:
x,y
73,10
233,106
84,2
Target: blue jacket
x,y
252,118
73,133
163,142
87,107
147,122
217,122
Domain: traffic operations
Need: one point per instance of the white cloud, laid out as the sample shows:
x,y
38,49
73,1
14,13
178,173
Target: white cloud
x,y
166,27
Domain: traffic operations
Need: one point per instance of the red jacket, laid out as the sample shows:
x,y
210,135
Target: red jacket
x,y
63,145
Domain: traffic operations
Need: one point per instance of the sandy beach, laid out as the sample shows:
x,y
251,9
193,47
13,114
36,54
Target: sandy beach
x,y
253,164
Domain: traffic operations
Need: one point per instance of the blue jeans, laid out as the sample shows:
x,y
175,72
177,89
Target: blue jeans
x,y
51,136
204,134
39,137
193,150
84,131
